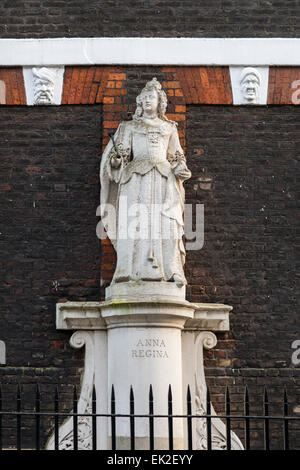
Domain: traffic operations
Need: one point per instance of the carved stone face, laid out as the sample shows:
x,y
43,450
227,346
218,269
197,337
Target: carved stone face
x,y
43,85
250,88
43,91
149,100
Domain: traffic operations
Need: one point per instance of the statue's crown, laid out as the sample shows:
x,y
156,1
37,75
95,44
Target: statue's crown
x,y
154,83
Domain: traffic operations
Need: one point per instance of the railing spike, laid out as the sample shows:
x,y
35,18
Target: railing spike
x,y
266,420
19,431
37,417
228,421
132,429
170,393
247,419
0,417
94,418
286,443
56,419
189,419
151,419
208,421
266,396
113,418
75,419
170,418
150,393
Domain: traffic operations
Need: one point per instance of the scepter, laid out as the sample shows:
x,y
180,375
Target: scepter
x,y
111,135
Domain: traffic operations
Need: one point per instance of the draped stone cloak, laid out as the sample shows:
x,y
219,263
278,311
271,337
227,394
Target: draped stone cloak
x,y
142,201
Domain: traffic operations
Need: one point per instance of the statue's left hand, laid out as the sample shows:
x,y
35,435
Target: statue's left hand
x,y
182,172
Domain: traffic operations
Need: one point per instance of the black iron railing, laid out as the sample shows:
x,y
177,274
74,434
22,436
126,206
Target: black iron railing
x,y
57,416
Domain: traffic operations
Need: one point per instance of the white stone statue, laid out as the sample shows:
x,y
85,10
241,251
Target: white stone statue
x,y
250,81
142,173
43,85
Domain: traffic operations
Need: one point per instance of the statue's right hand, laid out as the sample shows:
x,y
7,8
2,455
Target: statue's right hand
x,y
115,161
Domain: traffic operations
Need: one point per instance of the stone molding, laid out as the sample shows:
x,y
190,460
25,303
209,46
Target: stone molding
x,y
213,317
79,316
103,315
150,51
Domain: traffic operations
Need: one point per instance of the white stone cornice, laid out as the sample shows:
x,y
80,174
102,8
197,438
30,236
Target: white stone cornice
x,y
150,51
97,315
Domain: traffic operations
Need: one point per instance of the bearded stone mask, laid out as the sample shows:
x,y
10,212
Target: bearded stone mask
x,y
43,85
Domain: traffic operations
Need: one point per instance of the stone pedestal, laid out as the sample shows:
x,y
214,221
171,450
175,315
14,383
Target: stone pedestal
x,y
144,347
135,339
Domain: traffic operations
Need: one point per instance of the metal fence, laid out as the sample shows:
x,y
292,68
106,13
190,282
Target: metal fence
x,y
56,416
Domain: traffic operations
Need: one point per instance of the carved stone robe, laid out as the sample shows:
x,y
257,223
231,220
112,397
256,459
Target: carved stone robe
x,y
146,181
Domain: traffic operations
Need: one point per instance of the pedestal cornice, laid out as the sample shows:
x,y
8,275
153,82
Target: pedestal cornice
x,y
79,316
153,312
212,317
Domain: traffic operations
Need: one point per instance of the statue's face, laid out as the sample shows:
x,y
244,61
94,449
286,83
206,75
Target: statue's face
x,y
250,87
149,101
43,91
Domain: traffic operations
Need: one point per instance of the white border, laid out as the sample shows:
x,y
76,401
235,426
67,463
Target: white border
x,y
150,51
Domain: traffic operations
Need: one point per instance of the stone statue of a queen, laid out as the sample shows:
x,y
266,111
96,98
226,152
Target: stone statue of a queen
x,y
142,197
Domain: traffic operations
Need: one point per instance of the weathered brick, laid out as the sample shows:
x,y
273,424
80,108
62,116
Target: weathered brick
x,y
108,99
151,19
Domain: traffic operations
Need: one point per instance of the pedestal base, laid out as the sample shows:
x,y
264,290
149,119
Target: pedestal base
x,y
132,343
138,290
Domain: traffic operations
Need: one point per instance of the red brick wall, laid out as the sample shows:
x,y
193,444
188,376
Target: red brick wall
x,y
282,85
184,85
14,86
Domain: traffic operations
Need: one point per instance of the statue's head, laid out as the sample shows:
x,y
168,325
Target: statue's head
x,y
43,81
152,95
250,80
